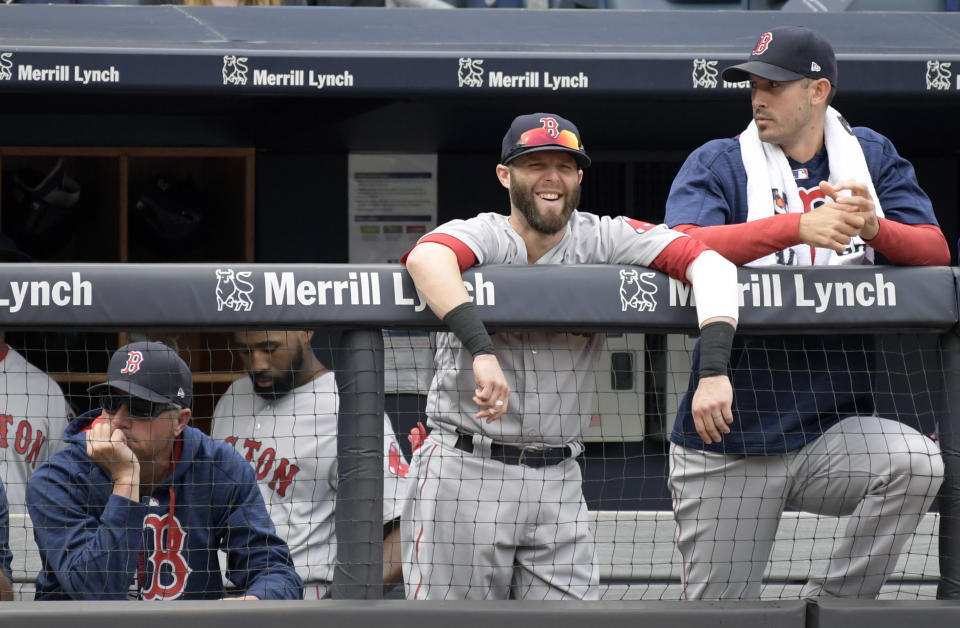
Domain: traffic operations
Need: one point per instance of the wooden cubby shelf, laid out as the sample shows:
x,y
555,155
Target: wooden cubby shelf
x,y
135,204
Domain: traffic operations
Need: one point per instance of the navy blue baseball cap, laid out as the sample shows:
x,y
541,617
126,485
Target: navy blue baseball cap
x,y
542,131
151,371
787,53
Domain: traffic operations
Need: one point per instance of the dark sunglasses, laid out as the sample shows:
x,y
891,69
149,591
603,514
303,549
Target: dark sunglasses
x,y
137,408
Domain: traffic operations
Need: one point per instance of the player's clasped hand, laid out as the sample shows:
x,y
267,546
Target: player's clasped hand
x,y
107,446
830,227
493,391
854,198
712,408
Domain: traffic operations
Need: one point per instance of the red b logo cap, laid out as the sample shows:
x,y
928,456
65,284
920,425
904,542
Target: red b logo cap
x,y
787,53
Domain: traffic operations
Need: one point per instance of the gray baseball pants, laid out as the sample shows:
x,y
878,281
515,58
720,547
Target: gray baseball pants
x,y
477,529
727,507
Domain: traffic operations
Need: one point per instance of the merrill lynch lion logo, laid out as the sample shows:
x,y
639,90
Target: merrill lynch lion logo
x,y
636,291
470,73
233,292
704,73
234,70
938,75
6,66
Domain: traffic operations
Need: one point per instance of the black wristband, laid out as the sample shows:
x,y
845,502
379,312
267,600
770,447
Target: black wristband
x,y
716,339
466,325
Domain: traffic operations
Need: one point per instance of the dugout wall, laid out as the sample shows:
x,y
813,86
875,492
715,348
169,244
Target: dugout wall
x,y
841,300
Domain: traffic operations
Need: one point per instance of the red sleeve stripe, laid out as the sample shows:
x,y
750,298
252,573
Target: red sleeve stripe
x,y
639,225
741,243
677,256
911,245
465,257
744,242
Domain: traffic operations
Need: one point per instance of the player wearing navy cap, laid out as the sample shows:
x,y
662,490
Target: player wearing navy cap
x,y
138,503
799,187
497,511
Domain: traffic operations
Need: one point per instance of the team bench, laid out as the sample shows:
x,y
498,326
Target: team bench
x,y
638,559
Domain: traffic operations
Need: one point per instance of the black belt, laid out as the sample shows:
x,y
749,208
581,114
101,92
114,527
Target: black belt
x,y
535,457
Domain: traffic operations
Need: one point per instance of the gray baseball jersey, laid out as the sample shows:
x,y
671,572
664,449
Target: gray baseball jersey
x,y
551,375
475,528
33,415
292,444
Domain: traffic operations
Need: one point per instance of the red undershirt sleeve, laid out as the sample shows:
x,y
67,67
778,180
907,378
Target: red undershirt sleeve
x,y
744,242
911,245
902,244
677,256
465,256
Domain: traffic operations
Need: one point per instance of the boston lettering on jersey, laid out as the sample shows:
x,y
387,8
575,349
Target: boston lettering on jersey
x,y
283,473
26,441
397,466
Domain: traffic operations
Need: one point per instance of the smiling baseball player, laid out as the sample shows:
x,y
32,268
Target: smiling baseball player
x,y
498,511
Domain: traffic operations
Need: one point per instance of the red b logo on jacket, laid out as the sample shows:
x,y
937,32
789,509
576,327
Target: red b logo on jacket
x,y
170,569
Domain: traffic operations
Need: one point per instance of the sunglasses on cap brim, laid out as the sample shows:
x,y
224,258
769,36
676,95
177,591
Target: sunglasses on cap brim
x,y
542,137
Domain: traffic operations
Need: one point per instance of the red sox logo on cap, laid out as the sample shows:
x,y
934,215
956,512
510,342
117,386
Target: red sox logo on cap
x,y
550,126
542,131
763,44
134,358
787,53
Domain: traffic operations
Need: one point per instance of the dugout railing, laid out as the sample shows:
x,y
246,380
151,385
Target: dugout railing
x,y
367,298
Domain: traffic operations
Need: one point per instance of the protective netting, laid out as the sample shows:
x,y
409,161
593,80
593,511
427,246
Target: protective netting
x,y
492,523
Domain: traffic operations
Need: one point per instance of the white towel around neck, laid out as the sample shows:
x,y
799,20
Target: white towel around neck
x,y
768,170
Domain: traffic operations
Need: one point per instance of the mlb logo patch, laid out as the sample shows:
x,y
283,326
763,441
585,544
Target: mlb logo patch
x,y
801,173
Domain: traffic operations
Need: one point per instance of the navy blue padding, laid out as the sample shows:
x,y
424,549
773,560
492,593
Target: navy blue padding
x,y
709,33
